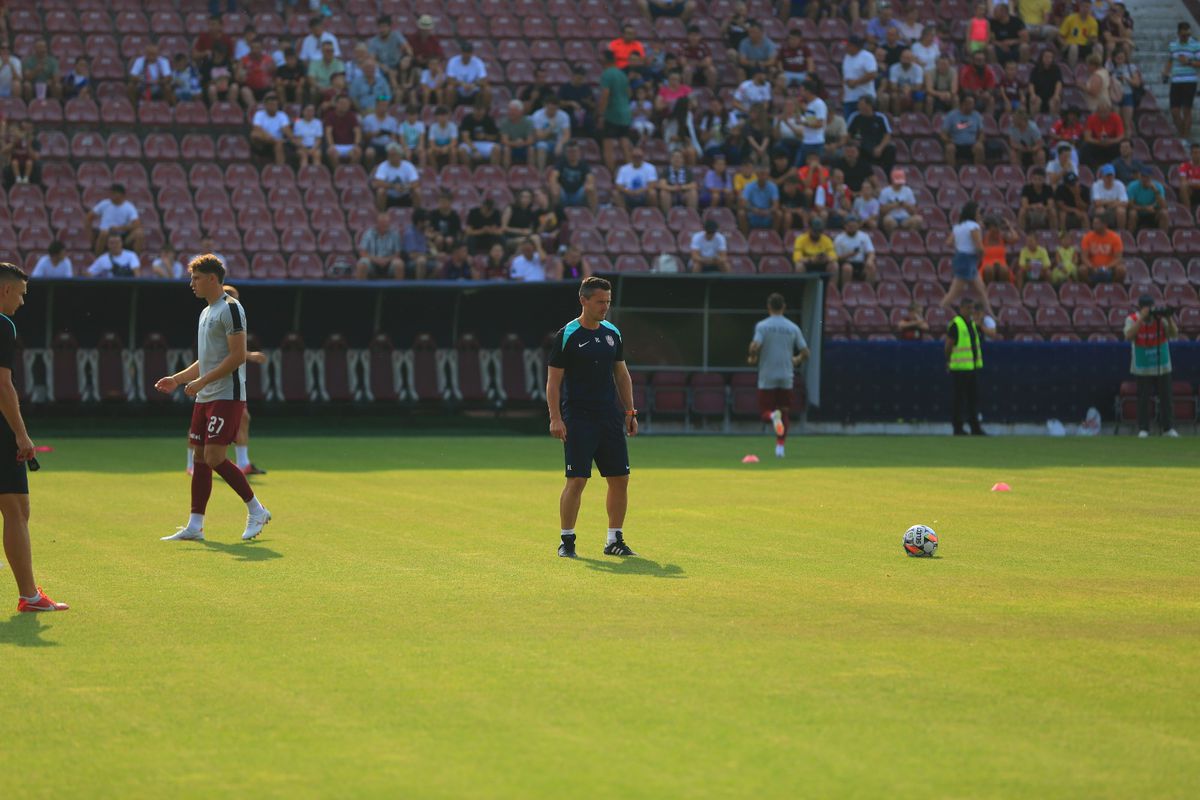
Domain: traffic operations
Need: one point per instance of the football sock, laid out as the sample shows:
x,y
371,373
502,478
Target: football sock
x,y
196,522
242,452
779,450
253,506
201,487
612,534
191,458
236,480
568,532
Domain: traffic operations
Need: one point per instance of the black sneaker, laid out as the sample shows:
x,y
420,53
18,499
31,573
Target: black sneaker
x,y
619,548
567,548
250,469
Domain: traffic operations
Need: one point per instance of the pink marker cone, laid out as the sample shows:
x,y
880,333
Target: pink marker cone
x,y
750,459
1001,487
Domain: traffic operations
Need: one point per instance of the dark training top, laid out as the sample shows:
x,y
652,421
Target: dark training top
x,y
8,348
587,358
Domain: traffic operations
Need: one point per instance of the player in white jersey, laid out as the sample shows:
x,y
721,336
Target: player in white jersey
x,y
217,379
778,348
241,442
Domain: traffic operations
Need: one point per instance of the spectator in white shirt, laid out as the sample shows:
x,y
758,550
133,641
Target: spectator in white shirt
x,y
55,264
271,129
635,182
898,205
859,70
117,262
551,130
905,85
529,264
379,129
395,180
167,265
310,48
115,215
467,76
150,77
1110,196
752,92
709,251
855,253
816,116
308,133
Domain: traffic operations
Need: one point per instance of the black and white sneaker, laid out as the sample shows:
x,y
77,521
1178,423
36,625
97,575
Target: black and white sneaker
x,y
618,547
567,548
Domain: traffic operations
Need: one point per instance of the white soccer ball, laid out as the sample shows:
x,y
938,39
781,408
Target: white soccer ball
x,y
920,541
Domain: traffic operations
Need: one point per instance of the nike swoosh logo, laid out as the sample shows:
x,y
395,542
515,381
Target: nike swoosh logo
x,y
585,344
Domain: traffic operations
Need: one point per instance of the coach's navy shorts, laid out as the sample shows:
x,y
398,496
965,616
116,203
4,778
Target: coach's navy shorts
x,y
596,438
13,477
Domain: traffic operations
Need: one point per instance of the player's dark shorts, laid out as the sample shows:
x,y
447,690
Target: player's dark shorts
x,y
599,438
613,131
771,399
216,422
1183,94
13,477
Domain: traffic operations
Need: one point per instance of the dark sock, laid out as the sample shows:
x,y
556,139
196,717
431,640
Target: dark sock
x,y
234,477
201,486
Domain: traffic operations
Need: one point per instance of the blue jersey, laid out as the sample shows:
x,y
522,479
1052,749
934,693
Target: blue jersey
x,y
587,358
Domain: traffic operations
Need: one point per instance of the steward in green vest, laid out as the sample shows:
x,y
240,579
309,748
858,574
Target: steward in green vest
x,y
964,359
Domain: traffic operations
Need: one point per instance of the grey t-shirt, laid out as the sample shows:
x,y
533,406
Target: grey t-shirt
x,y
218,322
779,339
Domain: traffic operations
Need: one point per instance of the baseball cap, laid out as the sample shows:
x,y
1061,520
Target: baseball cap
x,y
1107,169
1145,300
425,22
898,176
853,218
1063,146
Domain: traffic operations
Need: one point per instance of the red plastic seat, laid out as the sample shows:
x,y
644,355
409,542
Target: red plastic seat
x,y
857,294
763,242
622,241
124,145
260,240
1015,320
1052,319
118,111
1039,295
1089,320
1168,270
1074,295
197,147
191,114
928,293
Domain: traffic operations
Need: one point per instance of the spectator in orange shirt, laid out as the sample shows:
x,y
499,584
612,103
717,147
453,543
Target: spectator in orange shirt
x,y
1102,135
627,44
1102,252
1189,177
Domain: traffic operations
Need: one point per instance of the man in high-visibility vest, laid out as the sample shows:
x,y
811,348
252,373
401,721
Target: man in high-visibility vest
x,y
964,359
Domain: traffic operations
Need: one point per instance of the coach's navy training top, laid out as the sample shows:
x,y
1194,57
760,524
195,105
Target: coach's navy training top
x,y
587,358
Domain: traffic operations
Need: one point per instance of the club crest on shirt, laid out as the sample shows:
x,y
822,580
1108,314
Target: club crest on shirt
x,y
610,341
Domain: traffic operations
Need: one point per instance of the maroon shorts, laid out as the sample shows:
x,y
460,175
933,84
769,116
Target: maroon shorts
x,y
771,399
216,422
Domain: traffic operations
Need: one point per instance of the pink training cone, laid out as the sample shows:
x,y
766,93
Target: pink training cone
x,y
750,459
1001,487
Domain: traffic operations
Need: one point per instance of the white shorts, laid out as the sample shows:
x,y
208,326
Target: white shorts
x,y
343,149
482,148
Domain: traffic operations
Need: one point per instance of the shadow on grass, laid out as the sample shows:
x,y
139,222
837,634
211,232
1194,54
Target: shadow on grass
x,y
24,630
243,551
635,566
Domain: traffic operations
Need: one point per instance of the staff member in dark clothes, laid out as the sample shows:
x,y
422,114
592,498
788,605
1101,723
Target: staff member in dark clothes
x,y
964,359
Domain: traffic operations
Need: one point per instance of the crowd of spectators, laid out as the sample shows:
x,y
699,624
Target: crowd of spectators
x,y
777,151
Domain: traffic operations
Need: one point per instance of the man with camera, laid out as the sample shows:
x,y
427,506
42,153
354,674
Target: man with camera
x,y
1148,330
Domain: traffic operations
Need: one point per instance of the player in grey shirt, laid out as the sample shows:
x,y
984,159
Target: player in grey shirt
x,y
217,379
778,348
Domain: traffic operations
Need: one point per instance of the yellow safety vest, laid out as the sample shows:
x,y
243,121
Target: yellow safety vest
x,y
967,354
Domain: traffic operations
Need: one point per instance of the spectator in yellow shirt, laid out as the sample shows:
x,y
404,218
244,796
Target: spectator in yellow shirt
x,y
813,251
744,176
1079,34
1033,262
1037,16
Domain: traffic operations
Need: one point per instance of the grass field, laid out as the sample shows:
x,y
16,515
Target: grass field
x,y
403,628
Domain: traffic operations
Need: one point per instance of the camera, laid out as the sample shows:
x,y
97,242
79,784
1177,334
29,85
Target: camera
x,y
1162,312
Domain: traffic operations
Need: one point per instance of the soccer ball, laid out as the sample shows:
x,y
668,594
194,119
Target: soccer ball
x,y
920,541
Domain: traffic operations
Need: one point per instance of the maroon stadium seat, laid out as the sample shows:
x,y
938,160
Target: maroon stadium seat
x,y
65,352
622,242
197,147
1003,294
380,370
871,320
1168,270
513,370
1074,295
892,294
294,376
857,294
1014,320
305,266
269,266
1052,319
1111,295
631,263
928,293
708,394
1039,295
775,265
338,378
472,380
1089,320
669,393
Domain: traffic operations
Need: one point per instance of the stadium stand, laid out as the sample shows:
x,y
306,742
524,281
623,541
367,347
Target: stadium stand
x,y
192,170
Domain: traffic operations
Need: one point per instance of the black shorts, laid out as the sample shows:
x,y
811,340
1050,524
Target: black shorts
x,y
599,438
964,152
1146,219
613,131
1183,94
13,477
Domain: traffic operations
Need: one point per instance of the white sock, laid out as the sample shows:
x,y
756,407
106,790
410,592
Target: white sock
x,y
778,449
612,535
568,532
253,506
242,452
33,597
196,522
191,458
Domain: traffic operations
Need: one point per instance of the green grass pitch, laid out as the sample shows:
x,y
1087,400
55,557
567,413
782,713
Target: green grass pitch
x,y
403,629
